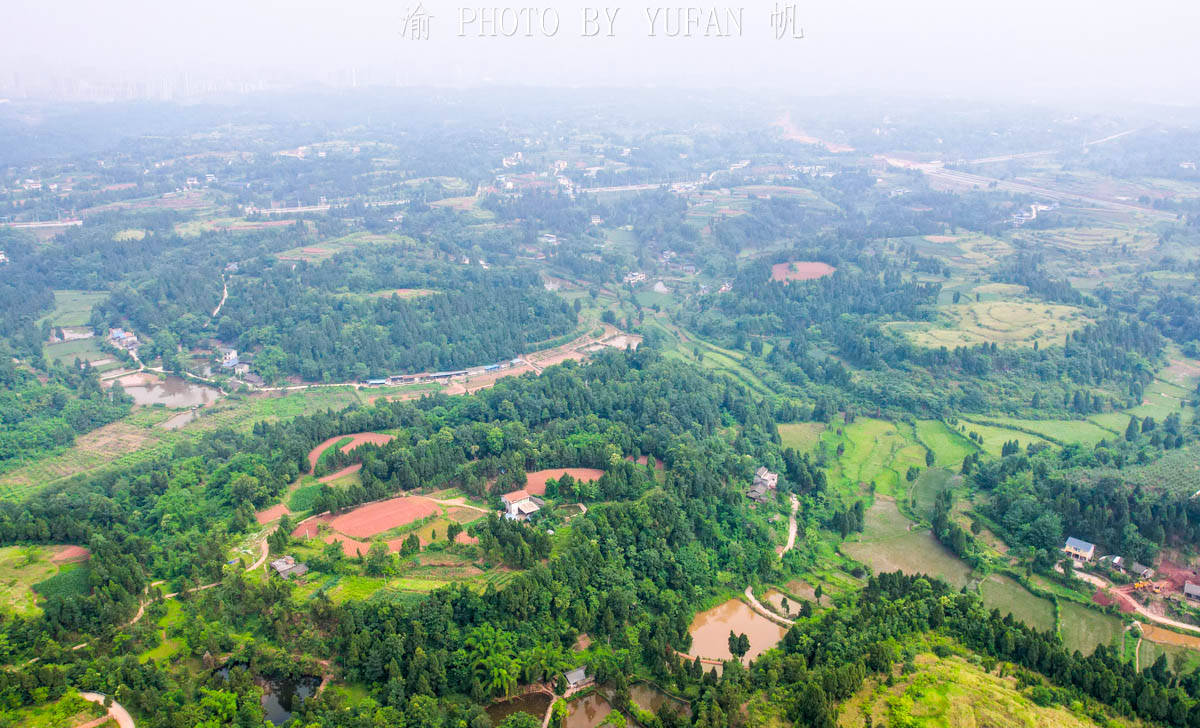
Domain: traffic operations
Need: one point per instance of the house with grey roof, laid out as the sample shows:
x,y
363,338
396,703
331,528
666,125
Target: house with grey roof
x,y
1079,550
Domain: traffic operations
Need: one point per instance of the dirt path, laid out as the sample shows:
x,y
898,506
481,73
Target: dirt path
x,y
224,295
791,542
1103,583
115,711
758,607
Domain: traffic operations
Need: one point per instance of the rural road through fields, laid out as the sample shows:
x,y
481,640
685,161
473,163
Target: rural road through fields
x,y
1103,583
115,711
791,543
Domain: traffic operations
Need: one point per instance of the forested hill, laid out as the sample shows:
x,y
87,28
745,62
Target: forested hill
x,y
461,318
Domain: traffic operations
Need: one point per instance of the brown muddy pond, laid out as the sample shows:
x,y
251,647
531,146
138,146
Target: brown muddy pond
x,y
651,698
534,704
587,712
173,392
710,631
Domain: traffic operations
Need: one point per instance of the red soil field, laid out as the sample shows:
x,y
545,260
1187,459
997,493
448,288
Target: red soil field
x,y
374,438
70,554
800,271
270,514
535,483
366,521
1124,601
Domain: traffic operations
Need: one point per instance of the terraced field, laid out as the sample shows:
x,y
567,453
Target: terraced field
x,y
1003,322
995,436
948,445
874,451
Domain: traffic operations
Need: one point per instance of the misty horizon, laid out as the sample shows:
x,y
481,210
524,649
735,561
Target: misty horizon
x,y
1025,51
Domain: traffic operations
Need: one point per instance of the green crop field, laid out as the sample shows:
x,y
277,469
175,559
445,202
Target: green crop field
x,y
928,485
1003,593
1064,431
1082,628
1176,471
875,451
73,308
67,352
949,446
1179,658
994,436
1003,322
802,436
887,544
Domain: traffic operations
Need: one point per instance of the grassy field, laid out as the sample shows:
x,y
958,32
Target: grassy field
x,y
73,308
949,446
875,451
802,436
69,710
1004,322
1001,592
1064,431
887,544
67,352
171,645
994,436
138,437
928,485
952,693
21,567
1179,658
717,359
1082,628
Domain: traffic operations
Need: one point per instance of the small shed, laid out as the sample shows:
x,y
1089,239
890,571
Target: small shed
x,y
577,678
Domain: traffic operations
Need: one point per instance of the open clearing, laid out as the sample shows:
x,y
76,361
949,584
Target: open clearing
x,y
1064,431
801,436
875,451
22,567
355,440
994,437
368,520
1003,322
800,270
73,308
952,693
1003,593
1083,629
887,544
949,446
535,482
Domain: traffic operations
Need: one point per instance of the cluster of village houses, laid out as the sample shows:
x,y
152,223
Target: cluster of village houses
x,y
1082,553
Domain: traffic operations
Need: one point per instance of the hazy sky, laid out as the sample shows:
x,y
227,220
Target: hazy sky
x,y
1144,50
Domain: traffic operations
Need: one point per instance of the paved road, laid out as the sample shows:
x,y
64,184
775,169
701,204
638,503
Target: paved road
x,y
115,711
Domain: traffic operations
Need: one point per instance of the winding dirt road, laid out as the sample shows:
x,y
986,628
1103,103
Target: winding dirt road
x,y
115,711
1102,583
